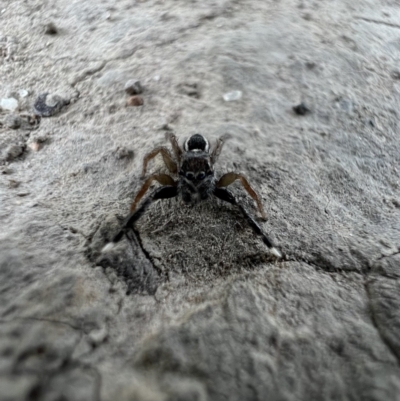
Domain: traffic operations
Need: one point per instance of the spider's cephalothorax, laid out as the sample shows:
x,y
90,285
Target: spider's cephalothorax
x,y
196,174
194,167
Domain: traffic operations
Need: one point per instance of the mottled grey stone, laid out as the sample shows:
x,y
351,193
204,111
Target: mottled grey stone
x,y
189,306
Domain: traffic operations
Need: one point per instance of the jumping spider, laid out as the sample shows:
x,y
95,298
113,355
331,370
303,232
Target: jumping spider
x,y
196,181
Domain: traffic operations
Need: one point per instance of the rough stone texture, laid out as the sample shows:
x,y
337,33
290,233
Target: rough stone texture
x,y
192,308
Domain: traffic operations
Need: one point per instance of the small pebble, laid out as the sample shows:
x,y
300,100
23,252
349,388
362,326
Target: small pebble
x,y
395,202
133,87
5,170
14,151
50,29
23,93
97,337
122,152
9,104
13,184
232,96
39,137
48,105
166,127
12,121
190,89
35,146
134,101
301,109
395,74
32,119
311,65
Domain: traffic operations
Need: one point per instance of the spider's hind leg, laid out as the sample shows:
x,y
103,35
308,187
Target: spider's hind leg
x,y
227,196
164,192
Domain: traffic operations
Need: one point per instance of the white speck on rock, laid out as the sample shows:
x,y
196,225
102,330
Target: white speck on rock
x,y
23,93
232,96
9,104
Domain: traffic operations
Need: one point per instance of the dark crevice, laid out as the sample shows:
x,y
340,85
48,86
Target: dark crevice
x,y
39,319
321,267
120,305
389,256
394,351
129,259
134,237
67,363
89,238
380,22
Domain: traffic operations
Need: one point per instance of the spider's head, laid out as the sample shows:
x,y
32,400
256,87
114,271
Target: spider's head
x,y
197,143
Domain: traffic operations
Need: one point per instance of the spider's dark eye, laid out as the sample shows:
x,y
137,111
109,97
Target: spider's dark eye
x,y
201,175
190,176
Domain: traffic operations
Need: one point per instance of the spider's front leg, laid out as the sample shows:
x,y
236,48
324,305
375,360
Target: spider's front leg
x,y
167,157
227,196
172,165
175,146
165,192
218,148
229,178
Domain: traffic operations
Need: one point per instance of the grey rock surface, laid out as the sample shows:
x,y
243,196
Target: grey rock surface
x,y
191,307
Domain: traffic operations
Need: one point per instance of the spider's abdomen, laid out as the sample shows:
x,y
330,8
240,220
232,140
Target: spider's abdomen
x,y
197,142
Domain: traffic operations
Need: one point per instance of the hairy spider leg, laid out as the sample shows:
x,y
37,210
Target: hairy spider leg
x,y
229,178
218,148
175,146
167,157
227,196
163,179
165,192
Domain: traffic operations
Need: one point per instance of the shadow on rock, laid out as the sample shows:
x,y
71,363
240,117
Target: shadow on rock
x,y
128,258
